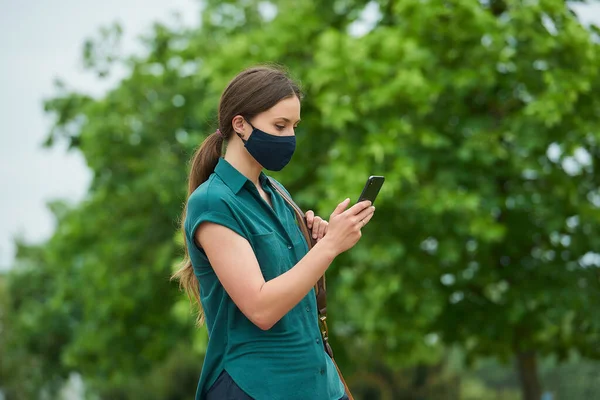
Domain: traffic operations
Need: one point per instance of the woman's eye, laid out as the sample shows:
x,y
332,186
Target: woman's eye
x,y
280,127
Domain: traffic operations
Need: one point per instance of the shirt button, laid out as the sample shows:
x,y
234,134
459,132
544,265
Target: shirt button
x,y
318,340
289,247
322,371
307,309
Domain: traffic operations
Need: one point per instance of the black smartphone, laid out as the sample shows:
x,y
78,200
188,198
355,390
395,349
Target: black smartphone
x,y
371,189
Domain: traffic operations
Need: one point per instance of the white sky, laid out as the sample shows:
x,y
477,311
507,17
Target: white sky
x,y
41,40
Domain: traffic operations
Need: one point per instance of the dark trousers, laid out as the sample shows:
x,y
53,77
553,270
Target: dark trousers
x,y
225,388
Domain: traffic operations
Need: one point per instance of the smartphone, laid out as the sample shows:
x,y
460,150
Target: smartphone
x,y
371,189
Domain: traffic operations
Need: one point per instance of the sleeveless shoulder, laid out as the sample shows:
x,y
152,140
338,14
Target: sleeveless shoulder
x,y
211,202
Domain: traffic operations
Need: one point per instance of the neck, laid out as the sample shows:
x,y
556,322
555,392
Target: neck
x,y
240,159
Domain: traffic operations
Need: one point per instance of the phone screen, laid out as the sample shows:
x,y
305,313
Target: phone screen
x,y
371,189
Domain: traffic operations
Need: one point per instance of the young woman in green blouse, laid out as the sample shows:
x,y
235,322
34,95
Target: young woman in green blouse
x,y
247,263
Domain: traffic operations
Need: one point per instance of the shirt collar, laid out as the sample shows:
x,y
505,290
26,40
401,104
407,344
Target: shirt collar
x,y
234,178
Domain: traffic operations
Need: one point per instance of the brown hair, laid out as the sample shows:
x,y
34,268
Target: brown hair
x,y
250,93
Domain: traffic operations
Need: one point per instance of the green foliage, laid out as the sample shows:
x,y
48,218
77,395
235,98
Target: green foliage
x,y
174,378
481,115
34,329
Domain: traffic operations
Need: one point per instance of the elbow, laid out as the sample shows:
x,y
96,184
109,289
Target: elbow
x,y
263,321
265,326
260,314
261,311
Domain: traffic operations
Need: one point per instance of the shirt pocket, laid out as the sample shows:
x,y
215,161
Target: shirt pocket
x,y
269,254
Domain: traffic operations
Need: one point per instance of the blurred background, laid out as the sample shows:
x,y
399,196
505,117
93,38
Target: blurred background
x,y
478,278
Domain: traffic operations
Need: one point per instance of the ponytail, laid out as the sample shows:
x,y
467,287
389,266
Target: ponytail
x,y
203,164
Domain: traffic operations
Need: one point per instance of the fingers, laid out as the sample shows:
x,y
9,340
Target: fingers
x,y
358,207
340,208
310,216
316,224
326,228
361,218
319,228
322,229
366,220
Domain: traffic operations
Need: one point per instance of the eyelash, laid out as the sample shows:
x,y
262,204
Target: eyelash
x,y
282,127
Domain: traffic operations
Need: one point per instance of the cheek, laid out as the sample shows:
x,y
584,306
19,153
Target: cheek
x,y
290,132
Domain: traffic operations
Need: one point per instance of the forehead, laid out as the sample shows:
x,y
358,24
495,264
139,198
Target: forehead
x,y
289,108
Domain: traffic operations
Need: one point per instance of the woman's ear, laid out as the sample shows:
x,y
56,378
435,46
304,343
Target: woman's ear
x,y
238,123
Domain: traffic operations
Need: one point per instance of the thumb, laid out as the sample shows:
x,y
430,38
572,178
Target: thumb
x,y
340,208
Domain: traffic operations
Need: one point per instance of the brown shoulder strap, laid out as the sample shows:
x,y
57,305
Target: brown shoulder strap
x,y
320,287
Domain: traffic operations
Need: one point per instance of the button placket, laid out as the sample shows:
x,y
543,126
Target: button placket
x,y
272,211
278,203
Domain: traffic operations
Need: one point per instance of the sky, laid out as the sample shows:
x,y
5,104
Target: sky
x,y
41,40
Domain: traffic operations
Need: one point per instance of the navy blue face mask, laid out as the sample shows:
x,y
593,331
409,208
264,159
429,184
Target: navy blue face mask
x,y
271,151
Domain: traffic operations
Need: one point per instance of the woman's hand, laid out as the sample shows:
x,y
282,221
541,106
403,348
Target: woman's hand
x,y
316,224
345,224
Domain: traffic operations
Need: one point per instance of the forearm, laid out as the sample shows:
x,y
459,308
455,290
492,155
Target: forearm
x,y
279,295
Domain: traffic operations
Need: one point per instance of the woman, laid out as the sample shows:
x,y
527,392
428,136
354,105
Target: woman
x,y
247,263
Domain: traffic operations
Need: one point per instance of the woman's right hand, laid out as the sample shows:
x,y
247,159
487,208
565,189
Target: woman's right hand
x,y
345,225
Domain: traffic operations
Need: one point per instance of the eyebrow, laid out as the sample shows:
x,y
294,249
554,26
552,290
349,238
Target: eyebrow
x,y
287,119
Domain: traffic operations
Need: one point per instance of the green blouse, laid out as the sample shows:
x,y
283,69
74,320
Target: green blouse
x,y
288,360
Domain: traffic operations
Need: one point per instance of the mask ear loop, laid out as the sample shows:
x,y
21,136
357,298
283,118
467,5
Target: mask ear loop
x,y
240,135
250,123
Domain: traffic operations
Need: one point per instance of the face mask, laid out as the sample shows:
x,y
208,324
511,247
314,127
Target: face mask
x,y
271,151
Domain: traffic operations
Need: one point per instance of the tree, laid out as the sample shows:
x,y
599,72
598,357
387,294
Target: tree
x,y
481,115
34,329
482,118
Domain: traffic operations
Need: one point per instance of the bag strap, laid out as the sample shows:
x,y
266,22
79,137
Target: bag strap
x,y
320,287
